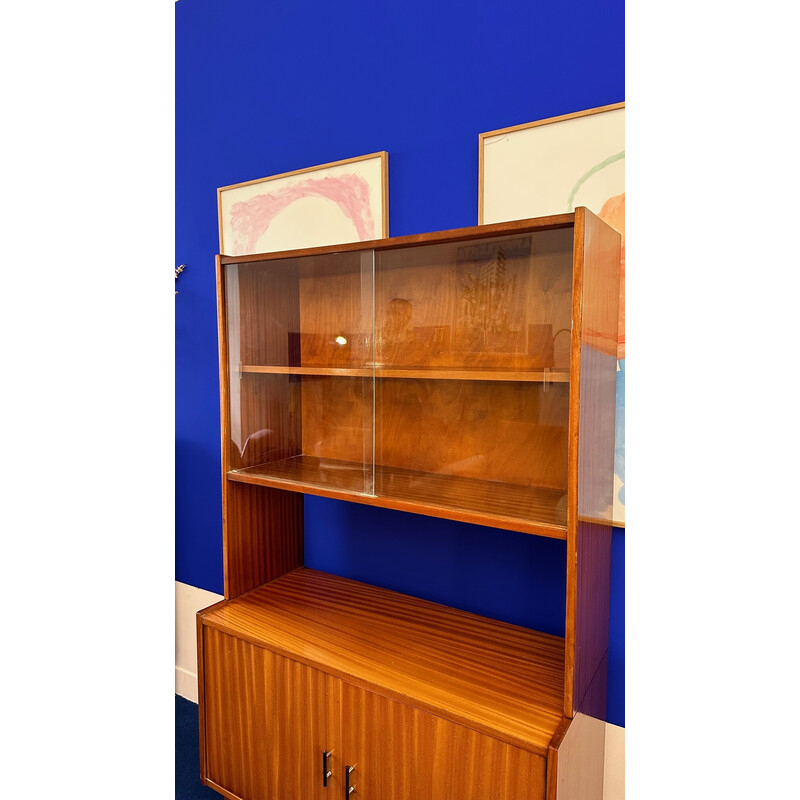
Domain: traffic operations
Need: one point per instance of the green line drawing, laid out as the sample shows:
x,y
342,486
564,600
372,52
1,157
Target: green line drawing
x,y
593,171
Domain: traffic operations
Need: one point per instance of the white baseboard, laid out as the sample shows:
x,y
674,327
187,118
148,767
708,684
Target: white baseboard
x,y
186,684
188,601
614,778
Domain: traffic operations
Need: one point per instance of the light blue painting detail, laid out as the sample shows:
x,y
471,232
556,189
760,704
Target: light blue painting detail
x,y
619,433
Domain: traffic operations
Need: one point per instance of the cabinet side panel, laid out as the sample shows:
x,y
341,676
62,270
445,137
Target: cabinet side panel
x,y
266,421
591,460
592,618
263,535
224,389
201,716
261,412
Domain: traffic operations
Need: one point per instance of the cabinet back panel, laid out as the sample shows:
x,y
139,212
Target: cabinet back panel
x,y
263,310
262,535
336,319
498,430
338,418
498,303
301,311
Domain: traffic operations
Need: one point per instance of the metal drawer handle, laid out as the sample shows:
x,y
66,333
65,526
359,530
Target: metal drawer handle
x,y
326,773
348,789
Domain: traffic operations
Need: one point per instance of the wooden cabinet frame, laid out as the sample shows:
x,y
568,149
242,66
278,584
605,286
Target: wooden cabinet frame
x,y
536,698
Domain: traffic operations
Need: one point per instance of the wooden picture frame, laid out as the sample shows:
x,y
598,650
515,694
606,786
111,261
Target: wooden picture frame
x,y
333,203
571,145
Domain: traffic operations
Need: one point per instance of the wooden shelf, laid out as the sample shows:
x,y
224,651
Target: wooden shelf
x,y
529,509
427,373
494,677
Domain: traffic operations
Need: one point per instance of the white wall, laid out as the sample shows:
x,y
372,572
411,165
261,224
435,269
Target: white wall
x,y
188,601
614,778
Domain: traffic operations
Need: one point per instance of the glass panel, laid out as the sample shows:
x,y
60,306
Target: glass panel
x,y
300,350
472,350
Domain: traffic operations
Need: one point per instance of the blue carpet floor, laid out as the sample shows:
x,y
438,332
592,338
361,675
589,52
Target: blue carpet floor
x,y
187,754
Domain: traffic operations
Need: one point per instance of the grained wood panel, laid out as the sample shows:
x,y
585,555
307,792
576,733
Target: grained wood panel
x,y
427,373
263,313
201,686
235,708
336,316
268,720
494,677
305,722
593,552
591,452
262,535
495,302
505,431
338,419
529,509
398,752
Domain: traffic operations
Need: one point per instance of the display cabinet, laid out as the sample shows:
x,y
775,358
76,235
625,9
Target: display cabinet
x,y
469,375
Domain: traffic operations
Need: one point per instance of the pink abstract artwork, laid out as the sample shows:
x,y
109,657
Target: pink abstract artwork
x,y
250,219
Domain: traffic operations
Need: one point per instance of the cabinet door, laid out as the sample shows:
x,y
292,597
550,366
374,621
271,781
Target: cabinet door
x,y
399,752
267,722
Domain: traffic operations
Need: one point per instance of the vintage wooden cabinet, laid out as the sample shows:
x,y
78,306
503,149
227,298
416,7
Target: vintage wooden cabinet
x,y
470,375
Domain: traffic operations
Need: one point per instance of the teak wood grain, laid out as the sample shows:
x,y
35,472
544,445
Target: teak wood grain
x,y
493,677
336,315
426,373
474,429
496,303
268,720
528,509
399,752
262,536
467,429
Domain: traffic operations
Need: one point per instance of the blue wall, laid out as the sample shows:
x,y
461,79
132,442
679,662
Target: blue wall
x,y
264,88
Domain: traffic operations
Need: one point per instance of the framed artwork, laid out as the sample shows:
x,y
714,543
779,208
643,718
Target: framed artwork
x,y
551,166
344,201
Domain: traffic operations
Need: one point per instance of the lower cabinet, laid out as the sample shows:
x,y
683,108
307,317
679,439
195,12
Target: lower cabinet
x,y
399,752
275,729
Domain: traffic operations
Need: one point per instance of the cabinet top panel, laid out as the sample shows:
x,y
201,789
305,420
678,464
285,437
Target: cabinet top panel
x,y
454,235
494,677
